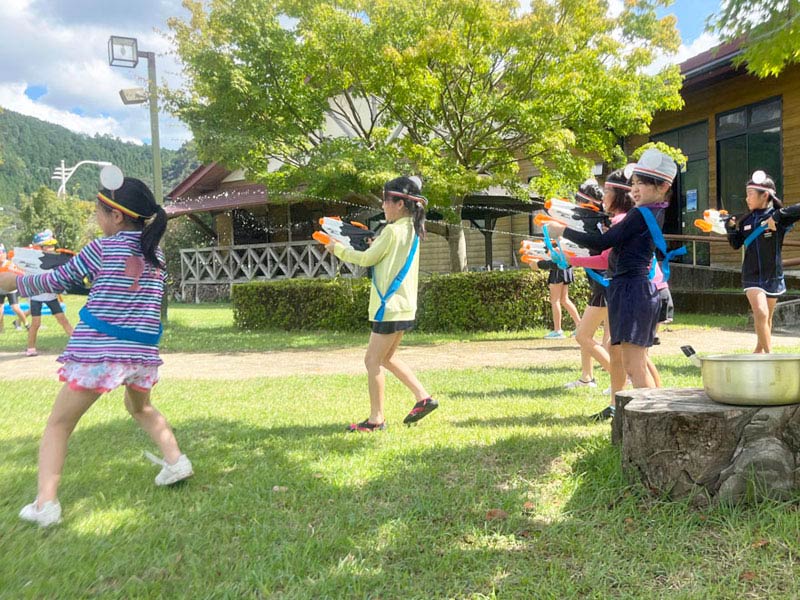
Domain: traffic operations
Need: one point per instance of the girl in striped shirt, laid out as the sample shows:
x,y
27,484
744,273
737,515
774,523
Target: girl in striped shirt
x,y
116,341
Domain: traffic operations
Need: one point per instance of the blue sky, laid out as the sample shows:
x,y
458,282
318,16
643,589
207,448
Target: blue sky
x,y
54,60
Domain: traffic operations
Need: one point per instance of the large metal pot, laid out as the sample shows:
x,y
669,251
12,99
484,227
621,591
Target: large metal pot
x,y
749,379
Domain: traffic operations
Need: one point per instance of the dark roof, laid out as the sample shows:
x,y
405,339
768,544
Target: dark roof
x,y
204,178
710,66
242,196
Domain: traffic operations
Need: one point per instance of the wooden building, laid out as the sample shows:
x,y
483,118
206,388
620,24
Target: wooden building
x,y
258,237
731,124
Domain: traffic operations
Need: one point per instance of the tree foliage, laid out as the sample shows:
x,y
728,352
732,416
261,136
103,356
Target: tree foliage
x,y
457,91
70,219
32,149
770,30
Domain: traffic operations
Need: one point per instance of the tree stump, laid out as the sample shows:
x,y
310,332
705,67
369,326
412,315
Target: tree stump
x,y
679,443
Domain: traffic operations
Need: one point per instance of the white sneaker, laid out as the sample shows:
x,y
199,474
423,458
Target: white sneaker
x,y
171,474
49,514
556,334
581,383
607,391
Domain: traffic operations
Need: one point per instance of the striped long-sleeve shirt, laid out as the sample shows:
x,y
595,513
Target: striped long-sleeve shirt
x,y
126,291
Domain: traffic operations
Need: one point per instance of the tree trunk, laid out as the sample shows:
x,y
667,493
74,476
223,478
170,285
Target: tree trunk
x,y
457,242
680,443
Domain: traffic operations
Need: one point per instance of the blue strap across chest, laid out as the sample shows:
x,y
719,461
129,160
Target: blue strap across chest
x,y
661,243
396,282
597,277
757,231
556,255
121,333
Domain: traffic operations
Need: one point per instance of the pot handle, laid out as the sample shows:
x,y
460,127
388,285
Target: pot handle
x,y
692,355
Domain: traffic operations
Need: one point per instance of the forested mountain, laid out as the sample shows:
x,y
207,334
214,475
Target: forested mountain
x,y
31,149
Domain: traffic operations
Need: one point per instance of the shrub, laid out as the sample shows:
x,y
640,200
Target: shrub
x,y
493,301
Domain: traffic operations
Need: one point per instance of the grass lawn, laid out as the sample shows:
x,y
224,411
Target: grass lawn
x,y
209,328
285,504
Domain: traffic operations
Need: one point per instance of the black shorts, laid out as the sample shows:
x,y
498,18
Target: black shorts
x,y
53,305
389,327
10,297
598,298
667,310
561,276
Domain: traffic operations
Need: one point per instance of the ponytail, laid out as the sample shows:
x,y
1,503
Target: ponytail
x,y
417,211
152,233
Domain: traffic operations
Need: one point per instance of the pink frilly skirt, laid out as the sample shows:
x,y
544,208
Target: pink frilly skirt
x,y
106,376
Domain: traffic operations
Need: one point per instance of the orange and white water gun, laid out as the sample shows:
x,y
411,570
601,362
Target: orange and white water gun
x,y
713,221
351,234
584,217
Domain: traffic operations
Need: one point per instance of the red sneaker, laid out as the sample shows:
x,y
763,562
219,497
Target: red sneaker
x,y
421,409
365,425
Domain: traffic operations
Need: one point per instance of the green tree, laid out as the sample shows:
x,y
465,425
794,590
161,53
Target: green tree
x,y
71,219
457,91
770,30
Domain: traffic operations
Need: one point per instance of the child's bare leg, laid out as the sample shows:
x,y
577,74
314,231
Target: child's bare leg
x,y
33,332
62,320
403,372
379,346
20,315
153,422
590,349
653,371
555,304
69,407
569,305
635,360
759,303
619,376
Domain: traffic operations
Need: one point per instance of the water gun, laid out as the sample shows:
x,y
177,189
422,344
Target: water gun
x,y
9,267
351,234
584,217
713,221
532,251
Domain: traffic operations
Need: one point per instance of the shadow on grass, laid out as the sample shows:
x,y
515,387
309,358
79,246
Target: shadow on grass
x,y
353,516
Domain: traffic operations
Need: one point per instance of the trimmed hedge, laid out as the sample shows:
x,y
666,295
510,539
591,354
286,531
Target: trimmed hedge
x,y
483,301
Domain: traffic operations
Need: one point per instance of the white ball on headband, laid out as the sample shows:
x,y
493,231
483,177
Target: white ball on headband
x,y
417,181
111,177
758,177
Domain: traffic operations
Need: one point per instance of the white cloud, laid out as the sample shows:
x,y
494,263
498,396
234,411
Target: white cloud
x,y
705,41
12,97
70,60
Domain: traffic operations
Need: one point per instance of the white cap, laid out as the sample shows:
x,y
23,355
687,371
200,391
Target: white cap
x,y
655,164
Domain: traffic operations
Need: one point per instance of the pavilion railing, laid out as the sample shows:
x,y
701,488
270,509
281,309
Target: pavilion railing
x,y
227,265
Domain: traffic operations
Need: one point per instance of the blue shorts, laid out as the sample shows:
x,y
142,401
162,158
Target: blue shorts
x,y
633,308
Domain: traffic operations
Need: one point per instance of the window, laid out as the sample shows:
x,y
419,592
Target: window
x,y
748,139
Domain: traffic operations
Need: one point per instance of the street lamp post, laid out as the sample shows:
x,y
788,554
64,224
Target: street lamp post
x,y
63,173
124,52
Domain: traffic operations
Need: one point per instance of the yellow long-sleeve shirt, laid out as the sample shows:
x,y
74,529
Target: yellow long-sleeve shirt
x,y
387,255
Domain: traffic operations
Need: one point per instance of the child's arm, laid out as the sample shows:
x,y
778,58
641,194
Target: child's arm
x,y
371,256
598,261
633,224
735,235
787,216
86,263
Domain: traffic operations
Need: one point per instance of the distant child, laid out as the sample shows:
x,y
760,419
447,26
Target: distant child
x,y
761,232
116,341
394,259
10,297
47,243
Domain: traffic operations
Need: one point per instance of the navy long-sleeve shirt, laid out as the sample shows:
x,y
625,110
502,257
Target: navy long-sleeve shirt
x,y
633,245
761,267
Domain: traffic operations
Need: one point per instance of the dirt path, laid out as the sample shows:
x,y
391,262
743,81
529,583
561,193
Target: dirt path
x,y
455,355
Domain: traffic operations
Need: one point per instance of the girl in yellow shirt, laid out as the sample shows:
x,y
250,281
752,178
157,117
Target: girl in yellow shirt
x,y
394,259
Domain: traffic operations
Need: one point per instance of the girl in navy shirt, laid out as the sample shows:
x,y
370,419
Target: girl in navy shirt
x,y
761,232
633,301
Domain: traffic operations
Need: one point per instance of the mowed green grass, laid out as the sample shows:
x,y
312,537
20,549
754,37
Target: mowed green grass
x,y
284,504
210,328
